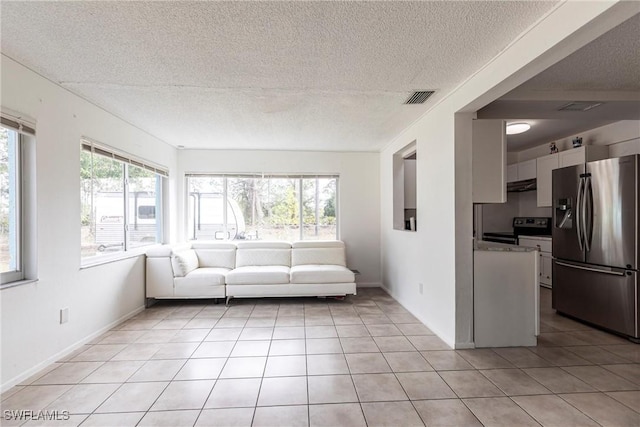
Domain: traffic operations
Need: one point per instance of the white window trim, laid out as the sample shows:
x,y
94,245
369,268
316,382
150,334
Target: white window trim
x,y
26,205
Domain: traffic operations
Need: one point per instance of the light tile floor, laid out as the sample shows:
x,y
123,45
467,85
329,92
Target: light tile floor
x,y
361,361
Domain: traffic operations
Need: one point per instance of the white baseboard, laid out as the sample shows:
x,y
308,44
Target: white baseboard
x,y
435,331
30,372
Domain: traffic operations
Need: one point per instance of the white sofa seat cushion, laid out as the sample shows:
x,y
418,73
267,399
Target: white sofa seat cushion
x,y
258,274
321,274
203,276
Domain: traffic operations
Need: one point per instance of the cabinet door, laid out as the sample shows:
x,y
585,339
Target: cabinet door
x,y
545,165
489,150
572,157
512,173
527,170
545,268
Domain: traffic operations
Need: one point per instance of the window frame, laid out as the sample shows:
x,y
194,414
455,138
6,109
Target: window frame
x,y
8,277
299,177
126,161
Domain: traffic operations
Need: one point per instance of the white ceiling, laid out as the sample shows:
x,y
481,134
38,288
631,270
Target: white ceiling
x,y
607,70
262,75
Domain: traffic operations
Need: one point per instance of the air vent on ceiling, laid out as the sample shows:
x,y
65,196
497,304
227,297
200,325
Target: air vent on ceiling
x,y
580,106
419,97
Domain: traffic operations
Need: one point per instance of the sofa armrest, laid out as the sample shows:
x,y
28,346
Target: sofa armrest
x,y
159,268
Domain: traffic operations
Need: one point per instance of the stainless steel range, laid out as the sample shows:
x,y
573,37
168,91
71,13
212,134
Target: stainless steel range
x,y
522,226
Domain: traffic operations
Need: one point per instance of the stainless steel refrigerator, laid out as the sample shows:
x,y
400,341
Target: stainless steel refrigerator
x,y
595,243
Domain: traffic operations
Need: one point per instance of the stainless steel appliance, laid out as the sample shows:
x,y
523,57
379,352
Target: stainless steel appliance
x,y
595,243
522,226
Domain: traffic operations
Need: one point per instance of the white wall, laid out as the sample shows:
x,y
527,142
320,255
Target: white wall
x,y
499,216
359,192
440,253
97,297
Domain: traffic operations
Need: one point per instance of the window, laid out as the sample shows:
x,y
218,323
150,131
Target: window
x,y
270,207
10,206
121,200
17,201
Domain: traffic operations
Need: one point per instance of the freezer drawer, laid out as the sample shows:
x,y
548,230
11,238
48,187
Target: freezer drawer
x,y
604,298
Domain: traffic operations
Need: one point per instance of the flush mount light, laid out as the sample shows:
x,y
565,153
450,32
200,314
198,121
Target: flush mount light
x,y
516,128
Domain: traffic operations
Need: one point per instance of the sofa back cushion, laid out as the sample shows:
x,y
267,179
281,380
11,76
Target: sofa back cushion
x,y
215,254
330,252
263,253
184,262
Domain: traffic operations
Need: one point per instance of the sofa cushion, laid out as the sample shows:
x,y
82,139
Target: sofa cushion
x,y
318,244
184,262
318,256
263,257
203,276
258,274
321,274
224,258
262,244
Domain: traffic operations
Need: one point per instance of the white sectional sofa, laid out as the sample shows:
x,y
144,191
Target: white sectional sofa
x,y
248,269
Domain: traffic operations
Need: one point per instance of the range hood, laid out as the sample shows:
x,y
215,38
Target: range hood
x,y
521,186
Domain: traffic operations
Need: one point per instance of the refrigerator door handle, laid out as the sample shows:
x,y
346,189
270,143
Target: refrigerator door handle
x,y
587,221
579,213
595,270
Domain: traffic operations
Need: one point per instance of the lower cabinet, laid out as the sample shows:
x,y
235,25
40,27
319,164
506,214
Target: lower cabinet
x,y
545,259
545,269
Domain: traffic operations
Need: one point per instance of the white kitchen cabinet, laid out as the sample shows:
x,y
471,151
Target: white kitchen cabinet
x,y
543,244
506,296
489,150
512,172
527,170
571,157
544,166
521,171
546,262
586,153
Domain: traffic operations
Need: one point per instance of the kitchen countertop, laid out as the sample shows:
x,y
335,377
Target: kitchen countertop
x,y
481,245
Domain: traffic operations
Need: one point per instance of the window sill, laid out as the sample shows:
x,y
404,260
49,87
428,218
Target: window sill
x,y
17,283
108,259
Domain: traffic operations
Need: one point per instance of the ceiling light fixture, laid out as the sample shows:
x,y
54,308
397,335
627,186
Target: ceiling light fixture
x,y
516,128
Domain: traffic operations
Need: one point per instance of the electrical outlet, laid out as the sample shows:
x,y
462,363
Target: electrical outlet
x,y
64,315
420,288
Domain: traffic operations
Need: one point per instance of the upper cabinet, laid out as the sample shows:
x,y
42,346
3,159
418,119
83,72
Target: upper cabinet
x,y
521,171
544,166
489,161
572,157
586,153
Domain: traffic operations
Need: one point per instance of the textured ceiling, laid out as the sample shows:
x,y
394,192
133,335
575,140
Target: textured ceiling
x,y
607,70
270,75
609,63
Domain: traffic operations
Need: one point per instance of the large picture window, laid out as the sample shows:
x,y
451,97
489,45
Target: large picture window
x,y
262,207
121,201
